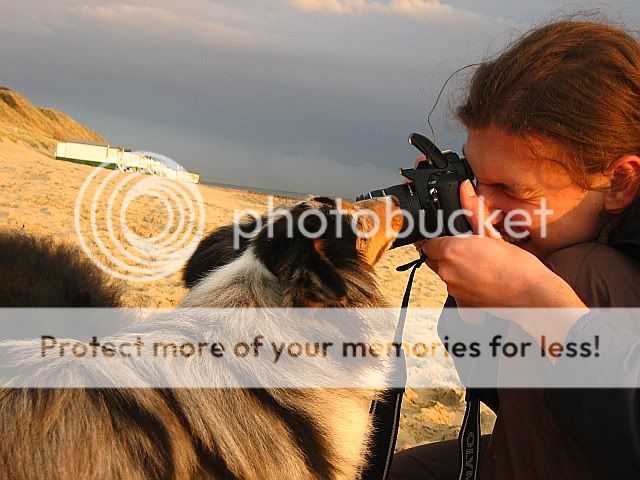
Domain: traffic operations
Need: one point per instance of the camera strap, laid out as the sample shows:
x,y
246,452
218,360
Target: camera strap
x,y
469,438
385,411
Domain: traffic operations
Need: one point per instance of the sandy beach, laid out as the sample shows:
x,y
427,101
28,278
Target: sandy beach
x,y
38,194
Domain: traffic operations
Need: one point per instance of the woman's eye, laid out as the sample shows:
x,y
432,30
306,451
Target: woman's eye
x,y
509,190
498,191
492,187
515,194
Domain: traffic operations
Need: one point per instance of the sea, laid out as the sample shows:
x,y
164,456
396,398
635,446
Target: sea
x,y
267,191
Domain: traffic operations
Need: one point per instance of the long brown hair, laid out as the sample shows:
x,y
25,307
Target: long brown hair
x,y
575,82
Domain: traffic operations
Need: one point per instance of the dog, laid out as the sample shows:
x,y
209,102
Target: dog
x,y
232,433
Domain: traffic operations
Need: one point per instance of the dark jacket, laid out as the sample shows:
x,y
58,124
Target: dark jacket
x,y
572,433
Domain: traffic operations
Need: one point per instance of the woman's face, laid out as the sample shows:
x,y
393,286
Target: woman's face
x,y
512,178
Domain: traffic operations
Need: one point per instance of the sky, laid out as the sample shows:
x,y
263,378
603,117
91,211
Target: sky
x,y
315,96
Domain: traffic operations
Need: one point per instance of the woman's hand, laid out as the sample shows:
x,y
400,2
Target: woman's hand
x,y
484,271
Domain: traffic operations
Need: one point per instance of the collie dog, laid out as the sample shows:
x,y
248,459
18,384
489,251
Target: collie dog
x,y
221,433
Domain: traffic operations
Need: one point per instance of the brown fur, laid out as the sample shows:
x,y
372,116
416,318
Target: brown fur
x,y
40,272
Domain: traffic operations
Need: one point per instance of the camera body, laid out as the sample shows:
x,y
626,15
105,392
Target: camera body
x,y
432,195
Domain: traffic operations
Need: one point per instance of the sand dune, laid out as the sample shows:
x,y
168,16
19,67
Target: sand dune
x,y
39,128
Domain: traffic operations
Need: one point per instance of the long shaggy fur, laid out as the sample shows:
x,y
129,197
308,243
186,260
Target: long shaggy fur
x,y
248,434
40,272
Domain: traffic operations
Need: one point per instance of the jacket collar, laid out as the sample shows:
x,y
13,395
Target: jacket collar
x,y
625,236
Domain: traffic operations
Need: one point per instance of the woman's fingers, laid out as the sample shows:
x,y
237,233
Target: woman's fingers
x,y
480,217
432,264
434,248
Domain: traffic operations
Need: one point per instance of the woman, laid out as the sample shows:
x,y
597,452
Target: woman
x,y
555,118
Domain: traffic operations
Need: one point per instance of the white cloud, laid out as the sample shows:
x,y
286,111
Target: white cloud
x,y
416,6
204,26
335,6
350,7
418,10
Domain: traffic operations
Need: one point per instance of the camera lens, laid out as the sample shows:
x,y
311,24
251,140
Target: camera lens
x,y
430,202
410,206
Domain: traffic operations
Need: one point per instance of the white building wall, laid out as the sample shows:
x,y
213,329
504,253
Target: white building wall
x,y
92,153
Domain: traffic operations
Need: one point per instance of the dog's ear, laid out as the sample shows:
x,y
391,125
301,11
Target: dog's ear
x,y
308,276
216,250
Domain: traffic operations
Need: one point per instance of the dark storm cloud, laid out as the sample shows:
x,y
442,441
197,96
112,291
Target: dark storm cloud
x,y
311,95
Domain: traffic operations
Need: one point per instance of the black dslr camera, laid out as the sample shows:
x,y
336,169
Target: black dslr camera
x,y
433,195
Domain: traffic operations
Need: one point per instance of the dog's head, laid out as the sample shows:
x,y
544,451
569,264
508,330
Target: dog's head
x,y
321,251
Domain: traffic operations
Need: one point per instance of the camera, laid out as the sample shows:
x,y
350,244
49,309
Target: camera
x,y
431,200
